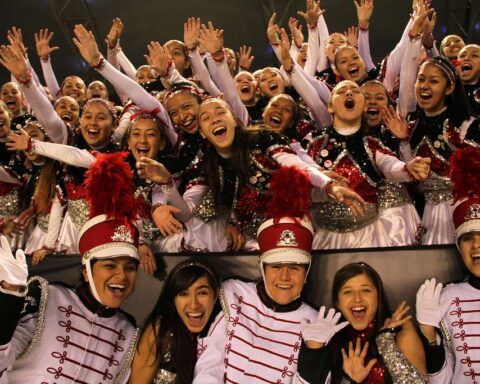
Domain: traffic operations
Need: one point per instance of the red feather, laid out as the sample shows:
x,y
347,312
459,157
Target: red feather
x,y
465,173
110,187
290,194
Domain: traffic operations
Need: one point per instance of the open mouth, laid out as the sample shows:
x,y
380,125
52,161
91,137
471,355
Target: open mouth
x,y
466,68
11,104
425,96
66,118
2,123
349,103
117,289
196,318
273,86
93,133
373,112
219,131
189,124
245,89
143,151
359,313
476,259
275,121
353,71
73,94
96,95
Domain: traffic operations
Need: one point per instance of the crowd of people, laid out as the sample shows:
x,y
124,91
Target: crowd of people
x,y
205,154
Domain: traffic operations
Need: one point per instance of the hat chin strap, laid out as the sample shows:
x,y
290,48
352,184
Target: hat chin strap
x,y
91,282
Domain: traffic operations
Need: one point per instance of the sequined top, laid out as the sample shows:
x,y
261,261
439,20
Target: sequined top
x,y
247,203
473,94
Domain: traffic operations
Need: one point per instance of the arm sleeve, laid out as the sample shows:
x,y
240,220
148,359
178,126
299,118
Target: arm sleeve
x,y
313,364
65,153
222,77
323,34
317,178
310,97
209,368
400,369
126,64
50,78
392,168
313,52
112,56
200,71
364,49
46,115
407,100
54,223
394,60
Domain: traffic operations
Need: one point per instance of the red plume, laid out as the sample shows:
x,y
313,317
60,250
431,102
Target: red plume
x,y
110,188
290,194
465,173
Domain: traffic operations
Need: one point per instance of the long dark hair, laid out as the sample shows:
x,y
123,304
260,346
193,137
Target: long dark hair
x,y
341,339
239,162
173,336
457,103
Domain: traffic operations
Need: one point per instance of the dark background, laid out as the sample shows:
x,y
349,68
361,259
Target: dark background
x,y
244,22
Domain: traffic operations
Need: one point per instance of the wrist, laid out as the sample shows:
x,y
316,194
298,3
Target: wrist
x,y
414,34
44,58
218,56
99,64
363,25
25,78
409,173
348,379
167,69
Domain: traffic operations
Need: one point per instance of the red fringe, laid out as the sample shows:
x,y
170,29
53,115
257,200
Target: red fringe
x,y
110,187
290,194
465,173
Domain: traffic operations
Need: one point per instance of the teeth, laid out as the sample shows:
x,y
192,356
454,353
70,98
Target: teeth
x,y
117,286
353,70
275,119
273,86
358,309
219,130
188,122
196,315
93,131
286,286
67,117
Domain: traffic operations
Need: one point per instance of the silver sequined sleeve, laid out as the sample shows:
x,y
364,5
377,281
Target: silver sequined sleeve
x,y
400,369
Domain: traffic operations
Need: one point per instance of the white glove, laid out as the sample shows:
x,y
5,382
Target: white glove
x,y
323,329
13,270
429,309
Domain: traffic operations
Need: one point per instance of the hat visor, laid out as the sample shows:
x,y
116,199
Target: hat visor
x,y
111,250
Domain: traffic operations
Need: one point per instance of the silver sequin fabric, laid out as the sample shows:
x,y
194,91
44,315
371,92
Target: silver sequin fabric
x,y
337,217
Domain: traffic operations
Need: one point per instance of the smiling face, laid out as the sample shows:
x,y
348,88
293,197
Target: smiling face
x,y
74,86
468,68
246,87
67,109
284,282
5,120
335,40
375,100
271,83
349,65
114,279
144,74
451,45
96,124
183,108
178,52
97,90
13,98
217,125
279,114
469,246
347,105
195,304
432,87
358,301
145,139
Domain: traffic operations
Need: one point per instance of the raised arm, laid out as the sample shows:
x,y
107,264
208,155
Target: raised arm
x,y
46,115
44,50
